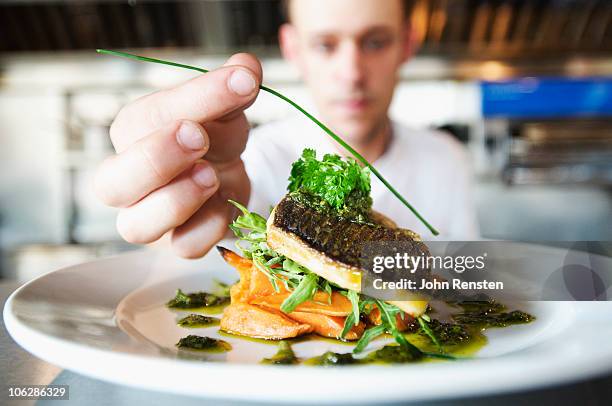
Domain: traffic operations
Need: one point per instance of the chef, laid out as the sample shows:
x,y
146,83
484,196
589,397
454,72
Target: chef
x,y
181,153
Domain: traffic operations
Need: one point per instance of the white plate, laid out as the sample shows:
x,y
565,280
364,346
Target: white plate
x,y
106,319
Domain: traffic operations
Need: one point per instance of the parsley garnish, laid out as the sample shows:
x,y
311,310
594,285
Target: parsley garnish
x,y
332,184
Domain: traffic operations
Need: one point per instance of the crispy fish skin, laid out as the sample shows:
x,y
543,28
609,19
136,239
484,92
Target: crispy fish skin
x,y
331,246
291,246
339,239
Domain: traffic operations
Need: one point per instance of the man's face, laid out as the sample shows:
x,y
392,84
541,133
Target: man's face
x,y
349,53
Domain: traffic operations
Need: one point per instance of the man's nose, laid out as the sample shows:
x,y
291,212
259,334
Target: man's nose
x,y
350,69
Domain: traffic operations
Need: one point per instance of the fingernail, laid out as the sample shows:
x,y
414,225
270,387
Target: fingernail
x,y
190,137
242,82
204,176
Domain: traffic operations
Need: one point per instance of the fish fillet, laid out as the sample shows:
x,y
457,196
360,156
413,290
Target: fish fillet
x,y
331,247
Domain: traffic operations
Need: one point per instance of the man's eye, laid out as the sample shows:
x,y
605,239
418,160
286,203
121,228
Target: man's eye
x,y
374,44
324,47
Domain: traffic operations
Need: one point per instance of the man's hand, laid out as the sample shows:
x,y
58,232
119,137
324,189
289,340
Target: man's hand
x,y
178,159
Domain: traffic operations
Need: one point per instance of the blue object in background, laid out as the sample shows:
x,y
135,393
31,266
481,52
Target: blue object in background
x,y
532,97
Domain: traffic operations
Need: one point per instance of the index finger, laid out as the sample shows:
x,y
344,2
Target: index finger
x,y
208,97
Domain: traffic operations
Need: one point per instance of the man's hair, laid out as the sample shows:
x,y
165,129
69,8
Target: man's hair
x,y
285,8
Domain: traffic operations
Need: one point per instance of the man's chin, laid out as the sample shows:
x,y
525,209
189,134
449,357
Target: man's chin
x,y
354,130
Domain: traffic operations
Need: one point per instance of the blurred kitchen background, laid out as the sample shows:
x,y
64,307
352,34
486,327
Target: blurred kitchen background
x,y
525,84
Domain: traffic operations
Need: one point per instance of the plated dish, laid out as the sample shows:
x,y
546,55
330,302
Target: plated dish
x,y
301,271
285,301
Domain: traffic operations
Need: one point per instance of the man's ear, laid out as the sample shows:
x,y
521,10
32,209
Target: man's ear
x,y
411,41
288,41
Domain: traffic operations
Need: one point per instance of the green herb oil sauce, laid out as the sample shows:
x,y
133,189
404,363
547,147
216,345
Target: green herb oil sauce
x,y
200,302
197,321
463,337
201,343
284,356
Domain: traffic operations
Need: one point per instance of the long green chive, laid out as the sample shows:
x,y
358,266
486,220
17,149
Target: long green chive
x,y
339,140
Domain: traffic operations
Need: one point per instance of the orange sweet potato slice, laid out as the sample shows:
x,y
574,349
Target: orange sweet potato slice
x,y
239,292
242,265
340,305
328,326
260,285
254,321
255,309
252,282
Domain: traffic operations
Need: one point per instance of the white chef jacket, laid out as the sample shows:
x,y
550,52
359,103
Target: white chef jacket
x,y
430,169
